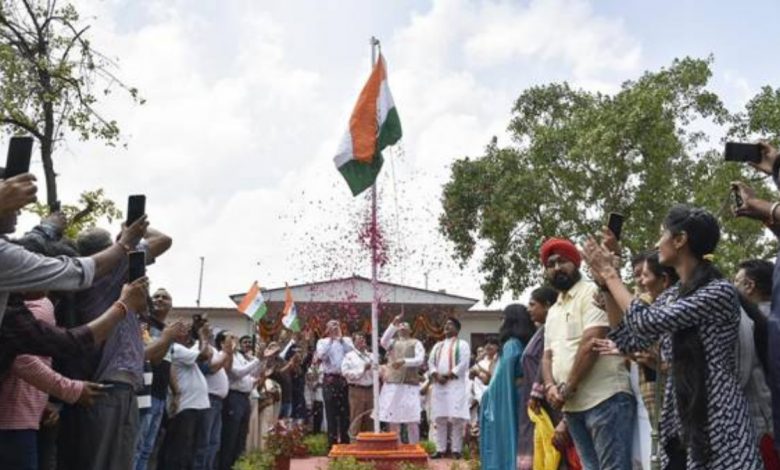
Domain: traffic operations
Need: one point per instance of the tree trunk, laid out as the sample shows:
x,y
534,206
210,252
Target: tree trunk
x,y
48,170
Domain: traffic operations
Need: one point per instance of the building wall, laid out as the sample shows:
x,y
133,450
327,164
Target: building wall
x,y
480,323
218,319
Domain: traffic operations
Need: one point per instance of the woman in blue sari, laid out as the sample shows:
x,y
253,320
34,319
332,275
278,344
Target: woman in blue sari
x,y
500,407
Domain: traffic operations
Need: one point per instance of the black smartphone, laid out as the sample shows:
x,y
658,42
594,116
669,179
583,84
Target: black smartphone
x,y
736,199
136,208
137,265
19,154
615,224
739,152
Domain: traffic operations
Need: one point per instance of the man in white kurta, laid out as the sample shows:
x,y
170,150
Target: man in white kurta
x,y
399,401
448,366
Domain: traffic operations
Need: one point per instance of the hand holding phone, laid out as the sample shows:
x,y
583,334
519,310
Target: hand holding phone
x,y
742,152
615,224
19,154
137,265
136,208
736,198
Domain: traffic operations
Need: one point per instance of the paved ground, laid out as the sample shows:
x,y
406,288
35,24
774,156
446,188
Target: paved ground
x,y
321,463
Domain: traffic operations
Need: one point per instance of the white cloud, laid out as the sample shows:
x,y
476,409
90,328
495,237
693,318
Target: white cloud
x,y
564,31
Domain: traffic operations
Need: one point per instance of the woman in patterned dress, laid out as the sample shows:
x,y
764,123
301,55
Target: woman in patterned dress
x,y
704,420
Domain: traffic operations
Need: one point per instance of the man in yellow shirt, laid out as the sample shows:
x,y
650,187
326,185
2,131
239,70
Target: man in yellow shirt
x,y
592,390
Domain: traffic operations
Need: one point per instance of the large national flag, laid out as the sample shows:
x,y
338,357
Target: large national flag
x,y
290,318
253,304
374,125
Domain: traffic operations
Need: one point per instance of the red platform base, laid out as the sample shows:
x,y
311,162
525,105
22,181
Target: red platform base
x,y
383,449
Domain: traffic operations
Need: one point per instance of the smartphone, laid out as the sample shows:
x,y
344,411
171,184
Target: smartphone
x,y
56,207
19,154
136,208
736,199
137,265
739,152
615,224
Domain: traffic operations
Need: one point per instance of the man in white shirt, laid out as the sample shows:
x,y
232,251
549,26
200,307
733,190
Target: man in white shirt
x,y
236,407
330,353
481,374
185,430
356,369
448,365
399,402
218,386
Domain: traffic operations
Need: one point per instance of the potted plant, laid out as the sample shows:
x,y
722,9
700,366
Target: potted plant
x,y
285,443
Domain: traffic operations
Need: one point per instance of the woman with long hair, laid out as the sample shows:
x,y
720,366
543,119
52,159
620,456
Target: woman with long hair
x,y
499,411
704,420
542,298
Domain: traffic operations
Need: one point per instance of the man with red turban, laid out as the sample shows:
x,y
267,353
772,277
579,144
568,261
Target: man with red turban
x,y
592,390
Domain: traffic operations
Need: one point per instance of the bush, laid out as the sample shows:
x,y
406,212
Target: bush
x,y
317,445
256,460
429,446
349,463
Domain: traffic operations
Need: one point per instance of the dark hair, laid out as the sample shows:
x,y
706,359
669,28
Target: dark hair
x,y
517,324
545,294
492,340
219,340
690,374
654,265
640,257
760,272
359,333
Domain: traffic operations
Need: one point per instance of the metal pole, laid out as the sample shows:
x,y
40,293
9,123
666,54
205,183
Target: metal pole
x,y
200,281
375,298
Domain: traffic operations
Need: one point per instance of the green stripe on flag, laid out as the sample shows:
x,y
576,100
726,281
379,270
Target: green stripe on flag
x,y
361,176
260,312
390,133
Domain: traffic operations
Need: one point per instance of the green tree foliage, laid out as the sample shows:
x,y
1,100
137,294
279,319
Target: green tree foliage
x,y
51,78
91,208
578,155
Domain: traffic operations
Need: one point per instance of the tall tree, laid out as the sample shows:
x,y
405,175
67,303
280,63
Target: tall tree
x,y
577,155
50,78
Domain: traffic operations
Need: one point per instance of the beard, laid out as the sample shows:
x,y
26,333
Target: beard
x,y
563,281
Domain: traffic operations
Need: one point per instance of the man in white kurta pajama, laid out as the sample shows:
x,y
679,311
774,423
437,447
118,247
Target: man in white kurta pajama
x,y
448,365
399,401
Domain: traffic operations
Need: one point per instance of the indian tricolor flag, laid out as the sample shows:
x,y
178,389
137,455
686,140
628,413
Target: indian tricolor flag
x,y
253,303
374,125
290,318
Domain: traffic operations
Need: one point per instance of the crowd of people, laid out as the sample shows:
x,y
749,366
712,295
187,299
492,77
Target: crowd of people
x,y
675,365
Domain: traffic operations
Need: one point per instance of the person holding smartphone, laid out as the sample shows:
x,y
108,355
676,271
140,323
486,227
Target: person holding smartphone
x,y
767,212
119,363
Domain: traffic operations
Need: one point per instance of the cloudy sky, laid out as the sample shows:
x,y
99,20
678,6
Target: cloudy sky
x,y
247,101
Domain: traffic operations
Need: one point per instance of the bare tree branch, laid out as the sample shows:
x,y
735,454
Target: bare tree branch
x,y
32,130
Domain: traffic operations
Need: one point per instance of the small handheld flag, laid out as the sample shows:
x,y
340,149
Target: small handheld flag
x,y
253,304
290,318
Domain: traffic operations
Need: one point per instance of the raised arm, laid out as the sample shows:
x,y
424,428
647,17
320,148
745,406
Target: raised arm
x,y
158,242
387,337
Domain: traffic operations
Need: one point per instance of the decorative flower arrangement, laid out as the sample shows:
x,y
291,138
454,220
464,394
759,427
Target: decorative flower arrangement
x,y
286,441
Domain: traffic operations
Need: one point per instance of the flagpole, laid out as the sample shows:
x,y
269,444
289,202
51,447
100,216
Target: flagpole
x,y
375,298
